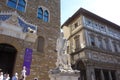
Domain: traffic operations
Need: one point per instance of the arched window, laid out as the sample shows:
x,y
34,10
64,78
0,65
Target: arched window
x,y
12,3
92,41
17,4
40,13
46,16
40,46
21,5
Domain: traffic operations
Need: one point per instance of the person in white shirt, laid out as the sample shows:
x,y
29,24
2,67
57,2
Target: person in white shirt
x,y
7,77
1,75
4,76
24,73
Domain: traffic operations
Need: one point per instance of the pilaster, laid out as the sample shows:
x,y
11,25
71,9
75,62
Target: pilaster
x,y
90,73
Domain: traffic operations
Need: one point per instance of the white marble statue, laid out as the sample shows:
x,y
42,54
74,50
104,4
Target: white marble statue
x,y
63,70
63,59
23,73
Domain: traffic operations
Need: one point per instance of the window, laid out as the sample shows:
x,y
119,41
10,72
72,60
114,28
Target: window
x,y
111,32
72,27
92,40
40,46
102,28
107,45
12,3
77,42
17,4
115,47
21,5
43,14
40,13
46,16
88,22
76,25
96,26
100,44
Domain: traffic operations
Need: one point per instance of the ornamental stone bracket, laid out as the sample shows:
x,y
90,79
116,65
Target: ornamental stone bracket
x,y
11,24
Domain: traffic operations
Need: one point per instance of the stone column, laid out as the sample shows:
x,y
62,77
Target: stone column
x,y
110,76
90,73
102,75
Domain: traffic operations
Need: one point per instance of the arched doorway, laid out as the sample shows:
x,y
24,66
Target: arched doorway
x,y
79,65
7,58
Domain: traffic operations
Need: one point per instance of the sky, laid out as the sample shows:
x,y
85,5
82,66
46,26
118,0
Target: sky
x,y
107,9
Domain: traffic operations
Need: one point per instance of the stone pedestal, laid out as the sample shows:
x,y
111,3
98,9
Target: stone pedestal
x,y
64,75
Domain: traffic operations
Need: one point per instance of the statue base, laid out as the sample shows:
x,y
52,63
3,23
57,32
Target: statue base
x,y
57,74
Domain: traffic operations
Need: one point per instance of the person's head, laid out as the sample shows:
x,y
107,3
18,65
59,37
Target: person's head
x,y
16,74
1,73
7,75
24,67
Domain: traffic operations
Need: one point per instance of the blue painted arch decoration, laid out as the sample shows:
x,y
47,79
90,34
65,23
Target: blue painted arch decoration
x,y
21,22
25,26
4,17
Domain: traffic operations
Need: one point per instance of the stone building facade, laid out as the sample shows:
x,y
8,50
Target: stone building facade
x,y
94,46
28,33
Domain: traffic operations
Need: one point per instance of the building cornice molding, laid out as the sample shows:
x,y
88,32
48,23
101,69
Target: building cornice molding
x,y
89,14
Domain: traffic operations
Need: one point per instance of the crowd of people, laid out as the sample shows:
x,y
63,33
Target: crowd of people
x,y
14,77
7,77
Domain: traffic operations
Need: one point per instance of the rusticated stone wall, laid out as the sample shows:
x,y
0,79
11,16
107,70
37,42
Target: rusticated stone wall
x,y
41,62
